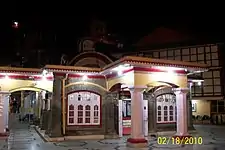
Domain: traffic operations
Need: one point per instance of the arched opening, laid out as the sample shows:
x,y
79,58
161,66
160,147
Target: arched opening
x,y
165,113
29,104
122,109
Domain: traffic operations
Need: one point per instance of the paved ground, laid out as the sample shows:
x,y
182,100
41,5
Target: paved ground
x,y
24,138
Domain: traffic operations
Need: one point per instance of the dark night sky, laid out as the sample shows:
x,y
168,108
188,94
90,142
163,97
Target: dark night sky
x,y
129,26
68,28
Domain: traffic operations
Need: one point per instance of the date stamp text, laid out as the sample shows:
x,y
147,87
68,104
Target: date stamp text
x,y
180,141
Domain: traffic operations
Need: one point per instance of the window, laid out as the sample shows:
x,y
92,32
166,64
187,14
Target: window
x,y
208,82
170,53
215,62
193,57
83,108
216,74
209,63
217,89
193,50
166,108
185,51
200,50
177,52
207,49
214,48
208,56
194,106
126,108
156,54
216,81
80,114
207,74
186,58
214,55
163,54
178,58
201,56
71,114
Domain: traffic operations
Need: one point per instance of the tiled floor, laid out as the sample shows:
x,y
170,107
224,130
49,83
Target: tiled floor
x,y
24,138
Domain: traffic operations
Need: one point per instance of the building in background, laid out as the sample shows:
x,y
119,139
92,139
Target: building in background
x,y
207,96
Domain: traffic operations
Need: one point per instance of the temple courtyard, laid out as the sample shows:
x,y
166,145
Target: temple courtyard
x,y
24,137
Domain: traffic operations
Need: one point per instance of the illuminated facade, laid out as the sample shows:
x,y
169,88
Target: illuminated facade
x,y
88,101
109,101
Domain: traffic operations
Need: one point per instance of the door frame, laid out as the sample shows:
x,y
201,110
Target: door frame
x,y
120,117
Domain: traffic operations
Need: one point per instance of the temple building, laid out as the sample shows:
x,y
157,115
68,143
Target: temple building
x,y
108,94
92,102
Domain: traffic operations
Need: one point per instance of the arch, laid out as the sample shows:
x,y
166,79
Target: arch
x,y
94,55
152,90
170,84
118,87
153,86
86,83
121,90
27,88
117,83
164,90
90,62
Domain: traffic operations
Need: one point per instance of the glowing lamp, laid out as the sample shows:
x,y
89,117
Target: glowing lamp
x,y
84,77
6,77
15,24
120,72
44,72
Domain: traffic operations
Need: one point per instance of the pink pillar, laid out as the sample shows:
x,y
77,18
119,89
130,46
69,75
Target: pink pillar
x,y
182,112
137,131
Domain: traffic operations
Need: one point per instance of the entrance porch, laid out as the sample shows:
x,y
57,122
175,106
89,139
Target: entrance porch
x,y
90,106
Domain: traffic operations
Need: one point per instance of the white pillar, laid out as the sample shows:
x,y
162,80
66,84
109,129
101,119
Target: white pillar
x,y
4,108
182,113
137,138
39,104
22,103
120,112
145,117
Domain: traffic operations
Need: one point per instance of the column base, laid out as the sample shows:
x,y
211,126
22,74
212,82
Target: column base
x,y
137,143
4,135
